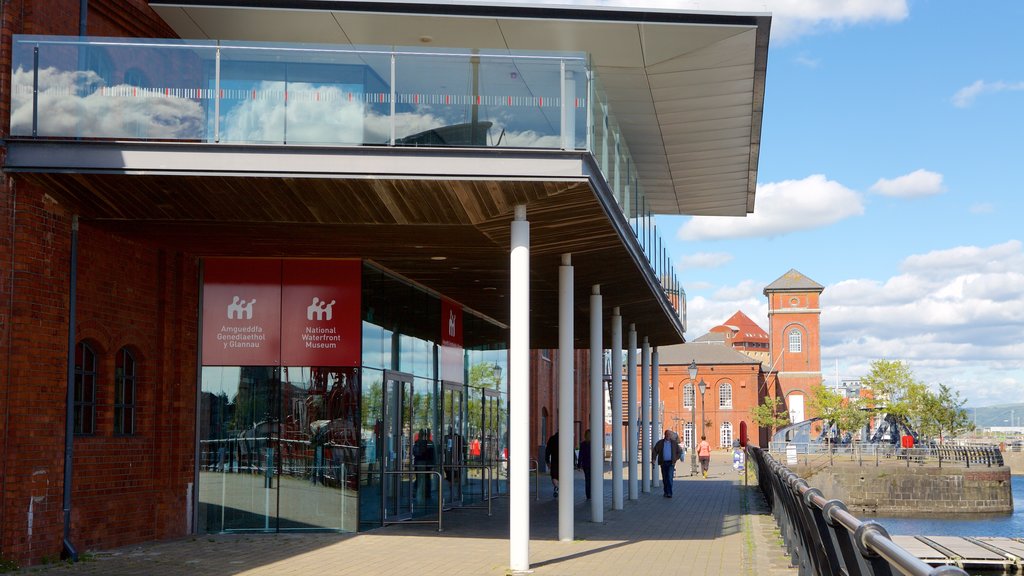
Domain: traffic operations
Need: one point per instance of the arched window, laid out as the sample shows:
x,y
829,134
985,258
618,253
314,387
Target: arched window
x,y
688,436
795,341
688,396
725,395
725,435
86,373
124,393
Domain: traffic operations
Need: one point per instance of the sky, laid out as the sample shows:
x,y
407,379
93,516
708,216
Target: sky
x,y
889,174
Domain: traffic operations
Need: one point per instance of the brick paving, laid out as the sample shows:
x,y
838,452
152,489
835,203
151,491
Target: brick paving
x,y
712,526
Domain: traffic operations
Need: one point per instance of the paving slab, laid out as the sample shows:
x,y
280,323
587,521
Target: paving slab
x,y
712,526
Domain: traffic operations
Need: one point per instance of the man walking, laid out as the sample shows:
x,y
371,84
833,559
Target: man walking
x,y
667,452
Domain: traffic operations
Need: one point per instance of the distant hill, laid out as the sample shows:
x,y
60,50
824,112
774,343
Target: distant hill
x,y
988,416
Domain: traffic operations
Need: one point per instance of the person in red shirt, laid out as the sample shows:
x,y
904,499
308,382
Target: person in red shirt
x,y
704,453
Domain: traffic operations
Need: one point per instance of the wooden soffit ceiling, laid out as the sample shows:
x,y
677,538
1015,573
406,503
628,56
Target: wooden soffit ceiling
x,y
448,234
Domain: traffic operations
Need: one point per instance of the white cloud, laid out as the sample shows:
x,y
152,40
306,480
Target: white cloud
x,y
982,208
705,260
1005,257
794,18
783,207
78,103
808,62
965,96
703,313
790,18
745,290
918,183
956,316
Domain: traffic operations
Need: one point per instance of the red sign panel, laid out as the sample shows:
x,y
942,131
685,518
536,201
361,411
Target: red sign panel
x,y
320,313
241,312
451,323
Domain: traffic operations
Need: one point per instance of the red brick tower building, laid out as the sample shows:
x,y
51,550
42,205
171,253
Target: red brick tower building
x,y
794,316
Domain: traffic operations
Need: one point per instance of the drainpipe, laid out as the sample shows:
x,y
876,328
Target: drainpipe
x,y
83,11
69,551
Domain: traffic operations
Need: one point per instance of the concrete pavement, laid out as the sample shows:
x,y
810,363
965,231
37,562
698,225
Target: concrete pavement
x,y
712,526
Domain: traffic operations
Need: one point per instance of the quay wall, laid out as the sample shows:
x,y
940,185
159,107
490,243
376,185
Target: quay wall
x,y
1015,461
893,489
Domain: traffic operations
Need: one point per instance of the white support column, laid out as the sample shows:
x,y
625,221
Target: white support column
x,y
519,394
596,406
566,406
632,414
616,400
656,431
645,415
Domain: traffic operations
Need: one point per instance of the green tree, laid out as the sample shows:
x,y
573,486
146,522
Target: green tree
x,y
771,414
944,413
847,414
896,392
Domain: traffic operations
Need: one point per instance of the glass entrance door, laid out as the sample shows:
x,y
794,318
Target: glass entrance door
x,y
492,445
396,442
453,457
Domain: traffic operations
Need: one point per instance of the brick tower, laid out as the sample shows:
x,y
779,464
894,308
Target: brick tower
x,y
794,317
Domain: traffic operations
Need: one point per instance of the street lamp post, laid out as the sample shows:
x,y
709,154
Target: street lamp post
x,y
702,386
693,433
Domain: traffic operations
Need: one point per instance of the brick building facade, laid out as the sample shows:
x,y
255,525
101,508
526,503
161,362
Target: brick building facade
x,y
741,363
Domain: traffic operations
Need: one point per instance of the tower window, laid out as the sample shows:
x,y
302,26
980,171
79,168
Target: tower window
x,y
795,341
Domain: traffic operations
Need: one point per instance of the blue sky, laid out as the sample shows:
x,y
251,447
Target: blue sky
x,y
888,174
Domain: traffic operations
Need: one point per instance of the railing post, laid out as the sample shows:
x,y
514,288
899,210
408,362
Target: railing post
x,y
392,96
216,95
35,91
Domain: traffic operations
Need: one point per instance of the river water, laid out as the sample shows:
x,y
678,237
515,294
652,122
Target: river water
x,y
1009,525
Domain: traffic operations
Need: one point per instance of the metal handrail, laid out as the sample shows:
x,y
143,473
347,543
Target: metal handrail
x,y
486,468
440,497
535,469
952,455
823,537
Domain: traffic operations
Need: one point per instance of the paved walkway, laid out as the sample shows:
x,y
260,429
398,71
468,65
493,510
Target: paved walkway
x,y
713,526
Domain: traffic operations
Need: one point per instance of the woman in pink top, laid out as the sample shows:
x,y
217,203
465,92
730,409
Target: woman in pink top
x,y
704,453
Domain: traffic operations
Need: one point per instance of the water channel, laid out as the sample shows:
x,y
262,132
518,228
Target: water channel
x,y
1007,525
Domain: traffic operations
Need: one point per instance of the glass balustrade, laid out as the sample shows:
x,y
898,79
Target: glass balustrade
x,y
290,94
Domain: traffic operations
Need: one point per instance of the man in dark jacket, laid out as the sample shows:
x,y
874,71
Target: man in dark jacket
x,y
667,452
584,461
551,457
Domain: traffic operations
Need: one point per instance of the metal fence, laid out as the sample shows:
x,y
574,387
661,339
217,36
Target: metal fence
x,y
808,453
823,538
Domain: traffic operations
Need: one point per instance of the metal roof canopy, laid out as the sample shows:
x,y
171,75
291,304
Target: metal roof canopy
x,y
687,86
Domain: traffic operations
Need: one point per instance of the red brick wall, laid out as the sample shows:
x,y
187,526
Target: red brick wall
x,y
144,298
34,278
125,489
544,396
744,379
156,311
797,372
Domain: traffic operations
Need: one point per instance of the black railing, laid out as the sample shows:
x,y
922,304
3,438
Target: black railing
x,y
874,454
823,538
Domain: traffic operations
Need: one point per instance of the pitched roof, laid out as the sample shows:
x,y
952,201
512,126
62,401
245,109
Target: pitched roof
x,y
793,280
746,329
703,354
710,338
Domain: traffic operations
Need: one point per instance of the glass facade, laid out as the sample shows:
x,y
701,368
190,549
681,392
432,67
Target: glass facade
x,y
351,448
